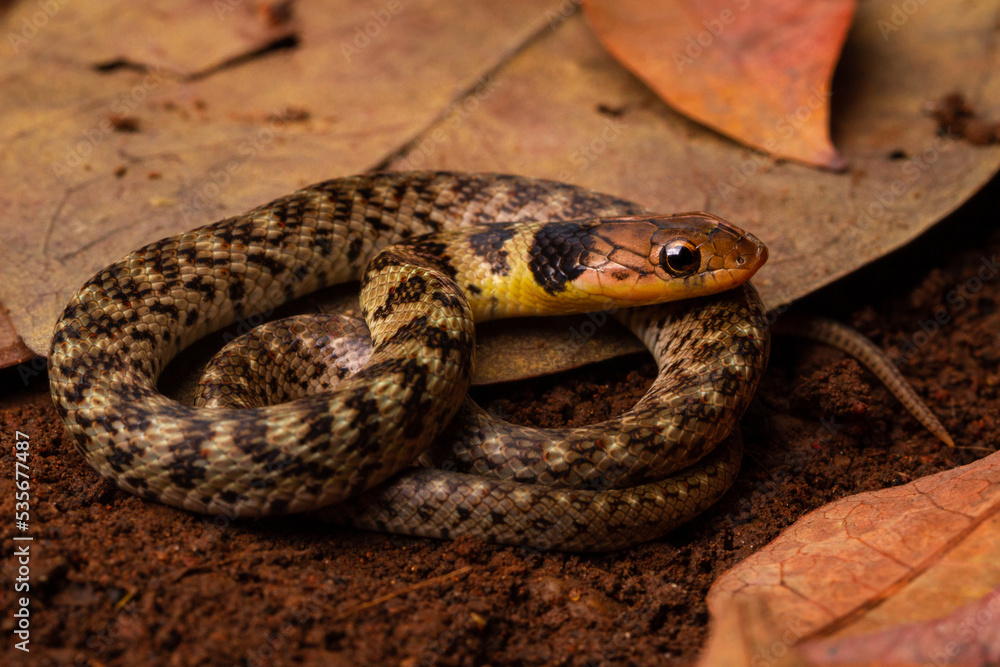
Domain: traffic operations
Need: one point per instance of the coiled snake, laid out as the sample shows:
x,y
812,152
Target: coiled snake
x,y
498,246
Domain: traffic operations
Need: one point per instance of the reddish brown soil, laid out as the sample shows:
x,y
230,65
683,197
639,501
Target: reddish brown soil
x,y
119,581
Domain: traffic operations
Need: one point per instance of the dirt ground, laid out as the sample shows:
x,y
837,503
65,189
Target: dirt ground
x,y
119,581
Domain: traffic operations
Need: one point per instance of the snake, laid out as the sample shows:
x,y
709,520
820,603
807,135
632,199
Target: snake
x,y
435,253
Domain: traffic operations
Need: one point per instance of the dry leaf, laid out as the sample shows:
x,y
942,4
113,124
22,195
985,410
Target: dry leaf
x,y
604,130
970,635
744,634
758,71
97,163
185,38
12,349
518,350
905,556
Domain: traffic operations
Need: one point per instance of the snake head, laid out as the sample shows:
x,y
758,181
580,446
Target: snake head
x,y
652,259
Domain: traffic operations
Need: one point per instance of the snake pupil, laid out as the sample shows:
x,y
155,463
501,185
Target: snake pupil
x,y
679,258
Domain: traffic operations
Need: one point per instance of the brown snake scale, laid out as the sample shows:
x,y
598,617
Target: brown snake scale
x,y
332,445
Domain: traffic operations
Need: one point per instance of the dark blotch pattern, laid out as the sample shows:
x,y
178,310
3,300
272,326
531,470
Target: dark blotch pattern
x,y
555,255
411,290
488,245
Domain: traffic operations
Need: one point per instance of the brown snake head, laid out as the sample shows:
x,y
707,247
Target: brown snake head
x,y
652,259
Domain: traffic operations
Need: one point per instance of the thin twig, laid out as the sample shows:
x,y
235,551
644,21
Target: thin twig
x,y
388,596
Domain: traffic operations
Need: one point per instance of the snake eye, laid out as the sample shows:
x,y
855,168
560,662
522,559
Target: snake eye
x,y
680,258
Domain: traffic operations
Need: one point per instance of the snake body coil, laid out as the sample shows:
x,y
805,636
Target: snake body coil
x,y
420,299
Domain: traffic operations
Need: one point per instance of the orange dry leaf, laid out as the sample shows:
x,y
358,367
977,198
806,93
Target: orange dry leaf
x,y
855,578
758,71
970,635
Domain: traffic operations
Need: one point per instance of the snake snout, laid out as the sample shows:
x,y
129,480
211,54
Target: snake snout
x,y
751,252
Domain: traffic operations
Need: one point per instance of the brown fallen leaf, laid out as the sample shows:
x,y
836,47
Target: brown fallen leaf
x,y
603,129
890,561
758,72
186,38
970,635
12,348
744,634
515,350
361,82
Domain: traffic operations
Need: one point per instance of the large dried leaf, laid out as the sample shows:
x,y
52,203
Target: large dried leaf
x,y
516,350
847,576
758,71
96,163
603,129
